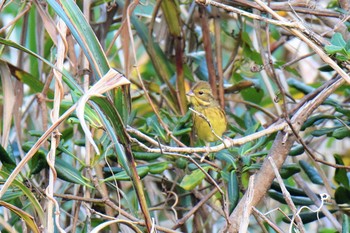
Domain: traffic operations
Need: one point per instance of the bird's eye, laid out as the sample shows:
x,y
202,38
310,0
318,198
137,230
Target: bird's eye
x,y
200,92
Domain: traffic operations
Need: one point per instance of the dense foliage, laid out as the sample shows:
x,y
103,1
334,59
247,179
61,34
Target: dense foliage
x,y
96,130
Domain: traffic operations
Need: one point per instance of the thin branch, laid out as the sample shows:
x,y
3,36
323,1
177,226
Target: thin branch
x,y
227,142
194,209
297,60
296,28
258,107
300,182
312,155
287,196
304,34
282,6
279,152
234,10
34,149
267,220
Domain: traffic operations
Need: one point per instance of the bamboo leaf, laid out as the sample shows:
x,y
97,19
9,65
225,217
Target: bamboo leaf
x,y
28,219
83,34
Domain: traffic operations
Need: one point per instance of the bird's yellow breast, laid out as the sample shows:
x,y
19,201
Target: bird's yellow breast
x,y
217,119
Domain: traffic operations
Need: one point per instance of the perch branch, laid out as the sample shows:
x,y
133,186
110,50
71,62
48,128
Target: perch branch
x,y
227,142
278,153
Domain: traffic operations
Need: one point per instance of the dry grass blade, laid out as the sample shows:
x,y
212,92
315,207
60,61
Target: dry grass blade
x,y
10,98
33,150
108,82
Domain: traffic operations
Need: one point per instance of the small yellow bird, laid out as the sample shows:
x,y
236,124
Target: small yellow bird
x,y
207,110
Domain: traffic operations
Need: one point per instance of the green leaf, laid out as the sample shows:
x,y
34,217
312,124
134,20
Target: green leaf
x,y
332,49
123,106
189,182
227,157
300,86
158,168
114,126
306,89
182,131
38,161
171,11
316,120
7,160
253,95
27,78
311,172
32,41
307,217
83,34
337,39
297,200
246,39
142,171
342,57
297,150
347,46
29,194
181,163
157,128
247,147
325,68
341,133
292,190
66,78
341,176
342,196
233,190
28,219
159,60
146,156
324,131
288,170
240,122
275,32
342,110
67,172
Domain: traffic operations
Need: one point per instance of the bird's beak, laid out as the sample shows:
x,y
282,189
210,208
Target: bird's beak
x,y
190,93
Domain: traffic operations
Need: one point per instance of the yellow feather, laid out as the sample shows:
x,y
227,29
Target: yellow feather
x,y
204,103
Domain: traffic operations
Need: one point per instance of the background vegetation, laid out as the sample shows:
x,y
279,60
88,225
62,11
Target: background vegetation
x,y
96,131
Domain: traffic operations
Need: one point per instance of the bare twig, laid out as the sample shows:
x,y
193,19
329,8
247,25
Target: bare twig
x,y
208,49
228,142
287,196
248,202
247,14
296,28
304,34
297,60
300,181
18,17
267,220
298,6
258,107
194,209
269,74
279,152
34,149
